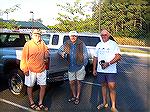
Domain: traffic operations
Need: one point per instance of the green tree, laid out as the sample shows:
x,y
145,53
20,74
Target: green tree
x,y
126,18
74,17
11,24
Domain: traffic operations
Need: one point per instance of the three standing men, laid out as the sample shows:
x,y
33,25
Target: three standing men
x,y
34,56
107,54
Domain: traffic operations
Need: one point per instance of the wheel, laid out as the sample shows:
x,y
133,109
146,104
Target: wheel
x,y
16,83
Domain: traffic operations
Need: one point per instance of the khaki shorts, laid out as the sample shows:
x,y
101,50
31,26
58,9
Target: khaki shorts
x,y
33,77
79,75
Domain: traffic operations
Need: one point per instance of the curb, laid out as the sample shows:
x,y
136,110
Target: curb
x,y
136,54
133,46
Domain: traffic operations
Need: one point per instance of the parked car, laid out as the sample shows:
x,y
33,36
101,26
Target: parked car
x,y
11,44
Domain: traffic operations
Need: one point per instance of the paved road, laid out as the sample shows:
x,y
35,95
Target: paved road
x,y
146,49
133,91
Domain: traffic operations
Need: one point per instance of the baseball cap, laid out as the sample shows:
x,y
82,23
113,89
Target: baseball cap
x,y
36,31
73,33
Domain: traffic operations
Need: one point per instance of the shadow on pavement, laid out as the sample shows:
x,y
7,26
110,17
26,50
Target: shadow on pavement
x,y
132,83
3,84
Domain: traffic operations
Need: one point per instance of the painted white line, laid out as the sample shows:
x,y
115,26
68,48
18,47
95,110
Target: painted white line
x,y
136,54
16,105
90,83
133,46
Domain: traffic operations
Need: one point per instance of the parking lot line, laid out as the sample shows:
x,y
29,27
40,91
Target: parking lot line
x,y
90,83
16,105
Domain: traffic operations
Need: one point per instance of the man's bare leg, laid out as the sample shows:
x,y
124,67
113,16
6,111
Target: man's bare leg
x,y
30,94
72,87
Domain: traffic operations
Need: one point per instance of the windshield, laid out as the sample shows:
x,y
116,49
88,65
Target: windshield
x,y
88,40
46,38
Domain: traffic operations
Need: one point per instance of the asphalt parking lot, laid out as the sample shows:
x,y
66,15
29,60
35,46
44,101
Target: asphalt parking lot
x,y
133,92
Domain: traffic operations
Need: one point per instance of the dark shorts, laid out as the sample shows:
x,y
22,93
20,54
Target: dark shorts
x,y
106,77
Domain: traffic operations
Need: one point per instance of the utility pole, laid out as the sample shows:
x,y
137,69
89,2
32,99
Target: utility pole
x,y
100,5
32,19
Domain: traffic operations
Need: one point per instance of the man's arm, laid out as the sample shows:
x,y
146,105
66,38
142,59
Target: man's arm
x,y
114,60
94,65
61,51
24,59
46,55
85,54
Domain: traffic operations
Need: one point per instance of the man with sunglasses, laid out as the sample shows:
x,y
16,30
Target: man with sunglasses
x,y
107,54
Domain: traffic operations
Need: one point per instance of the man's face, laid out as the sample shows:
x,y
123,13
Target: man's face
x,y
37,37
105,36
73,38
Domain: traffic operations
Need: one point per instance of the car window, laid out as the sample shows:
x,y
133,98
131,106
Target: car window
x,y
13,40
55,39
46,38
27,37
66,38
88,40
93,40
3,38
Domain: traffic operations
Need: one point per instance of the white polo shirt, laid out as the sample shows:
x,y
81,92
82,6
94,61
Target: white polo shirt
x,y
106,51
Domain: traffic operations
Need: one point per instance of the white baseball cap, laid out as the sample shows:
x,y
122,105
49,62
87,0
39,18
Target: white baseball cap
x,y
73,33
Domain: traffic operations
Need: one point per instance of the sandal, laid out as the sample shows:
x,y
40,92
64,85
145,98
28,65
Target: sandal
x,y
71,99
77,101
114,110
102,106
34,107
42,107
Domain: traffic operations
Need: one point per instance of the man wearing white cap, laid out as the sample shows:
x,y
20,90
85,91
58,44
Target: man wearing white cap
x,y
74,50
34,56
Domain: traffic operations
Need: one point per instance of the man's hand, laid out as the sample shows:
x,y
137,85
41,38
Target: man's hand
x,y
104,65
94,72
26,73
63,54
46,60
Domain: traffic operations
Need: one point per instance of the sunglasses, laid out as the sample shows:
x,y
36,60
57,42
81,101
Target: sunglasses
x,y
103,34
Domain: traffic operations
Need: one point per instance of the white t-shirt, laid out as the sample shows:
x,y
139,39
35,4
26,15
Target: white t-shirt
x,y
106,51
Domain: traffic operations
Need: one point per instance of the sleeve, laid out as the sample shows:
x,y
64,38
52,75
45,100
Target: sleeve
x,y
47,53
116,49
85,54
61,51
96,51
24,59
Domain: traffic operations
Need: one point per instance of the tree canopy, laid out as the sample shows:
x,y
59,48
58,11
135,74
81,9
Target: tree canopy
x,y
128,18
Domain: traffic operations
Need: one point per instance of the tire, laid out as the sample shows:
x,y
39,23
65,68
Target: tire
x,y
16,83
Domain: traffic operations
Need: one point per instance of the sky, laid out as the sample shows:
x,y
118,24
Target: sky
x,y
47,10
